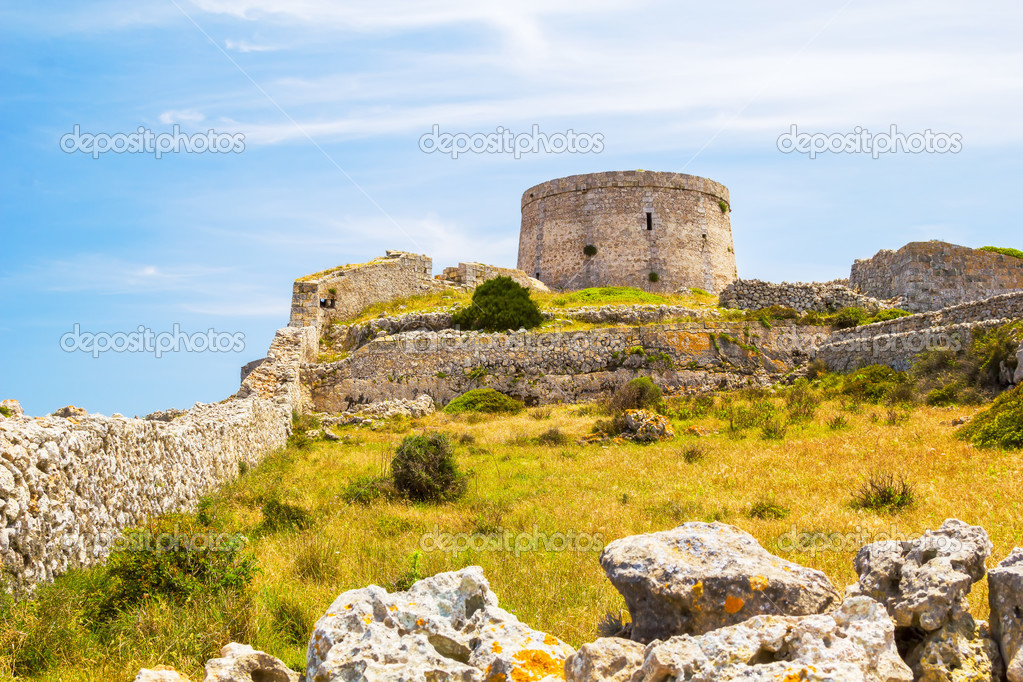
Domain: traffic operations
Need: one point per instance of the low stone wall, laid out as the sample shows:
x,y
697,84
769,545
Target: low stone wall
x,y
549,366
471,275
754,294
933,275
69,486
897,343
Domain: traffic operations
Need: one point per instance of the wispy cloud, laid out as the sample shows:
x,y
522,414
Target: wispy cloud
x,y
245,46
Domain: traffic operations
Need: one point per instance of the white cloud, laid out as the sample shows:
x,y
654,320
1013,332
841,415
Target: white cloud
x,y
245,46
186,116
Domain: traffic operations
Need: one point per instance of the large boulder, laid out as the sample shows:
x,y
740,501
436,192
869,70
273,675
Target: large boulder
x,y
919,581
242,663
1005,595
610,659
855,643
703,576
646,426
12,407
923,584
160,673
446,627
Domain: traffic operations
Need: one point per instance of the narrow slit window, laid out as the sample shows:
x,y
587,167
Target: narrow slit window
x,y
649,220
537,274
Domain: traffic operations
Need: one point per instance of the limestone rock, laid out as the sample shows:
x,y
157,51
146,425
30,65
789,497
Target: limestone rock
x,y
160,673
13,407
446,627
855,643
920,581
70,411
609,658
700,576
962,650
646,426
1005,585
242,663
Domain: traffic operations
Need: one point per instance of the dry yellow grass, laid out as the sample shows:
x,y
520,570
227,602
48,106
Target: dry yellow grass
x,y
612,490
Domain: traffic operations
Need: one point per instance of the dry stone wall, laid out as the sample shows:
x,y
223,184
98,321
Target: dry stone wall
x,y
754,294
549,366
671,224
68,486
932,275
896,343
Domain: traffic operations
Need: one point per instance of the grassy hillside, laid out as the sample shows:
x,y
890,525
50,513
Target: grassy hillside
x,y
768,483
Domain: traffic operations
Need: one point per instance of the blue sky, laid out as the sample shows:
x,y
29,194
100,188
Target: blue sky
x,y
333,97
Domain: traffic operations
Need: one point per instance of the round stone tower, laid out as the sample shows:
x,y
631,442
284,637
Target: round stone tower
x,y
656,231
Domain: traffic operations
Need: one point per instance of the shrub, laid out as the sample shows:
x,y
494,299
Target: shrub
x,y
424,469
638,394
497,305
741,417
778,312
365,489
774,429
847,317
768,510
1015,253
279,515
816,370
653,277
5,411
723,206
693,454
689,407
541,413
838,422
873,383
612,624
1000,425
590,250
884,492
802,403
885,315
615,426
553,437
163,558
945,377
484,400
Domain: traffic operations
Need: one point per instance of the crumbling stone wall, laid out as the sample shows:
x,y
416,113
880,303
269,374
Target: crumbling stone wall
x,y
68,486
640,222
932,275
753,294
896,343
549,366
471,275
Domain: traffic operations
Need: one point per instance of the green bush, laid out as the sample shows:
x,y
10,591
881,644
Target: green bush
x,y
653,277
553,437
875,383
768,510
885,315
1015,253
590,250
365,489
1000,425
945,377
484,400
777,312
172,556
638,394
5,411
847,318
884,492
424,469
497,305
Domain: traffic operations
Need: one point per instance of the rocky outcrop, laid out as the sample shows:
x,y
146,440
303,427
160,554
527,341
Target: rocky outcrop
x,y
1005,595
646,426
923,584
854,643
237,663
10,408
700,576
446,627
387,409
242,663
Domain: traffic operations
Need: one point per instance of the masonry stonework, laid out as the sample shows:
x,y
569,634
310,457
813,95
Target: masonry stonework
x,y
933,275
673,225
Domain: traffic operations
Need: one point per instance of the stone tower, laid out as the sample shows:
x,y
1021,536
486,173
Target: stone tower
x,y
656,231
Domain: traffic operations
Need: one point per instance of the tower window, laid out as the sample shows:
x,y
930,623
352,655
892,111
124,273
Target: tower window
x,y
537,274
649,220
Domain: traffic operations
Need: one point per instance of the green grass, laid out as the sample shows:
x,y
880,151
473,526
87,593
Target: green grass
x,y
358,534
606,296
1015,253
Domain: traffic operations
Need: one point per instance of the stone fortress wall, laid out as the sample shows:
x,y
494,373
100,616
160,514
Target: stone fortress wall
x,y
754,294
932,275
343,292
671,224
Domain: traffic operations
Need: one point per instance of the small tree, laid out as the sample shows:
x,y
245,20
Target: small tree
x,y
499,304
